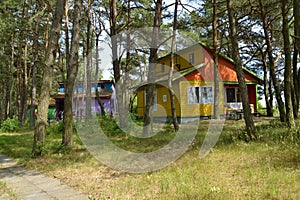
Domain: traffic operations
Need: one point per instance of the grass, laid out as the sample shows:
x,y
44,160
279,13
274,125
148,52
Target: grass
x,y
266,169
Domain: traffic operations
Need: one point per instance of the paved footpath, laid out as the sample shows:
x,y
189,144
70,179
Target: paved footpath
x,y
30,185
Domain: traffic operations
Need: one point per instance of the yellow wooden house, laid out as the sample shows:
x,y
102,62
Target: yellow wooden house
x,y
193,85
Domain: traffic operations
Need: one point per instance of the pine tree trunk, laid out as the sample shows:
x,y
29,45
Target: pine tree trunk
x,y
12,81
288,65
97,75
88,65
34,68
216,63
116,63
250,127
72,70
41,122
147,129
267,86
172,95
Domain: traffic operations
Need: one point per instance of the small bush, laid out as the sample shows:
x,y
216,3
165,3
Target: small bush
x,y
110,126
10,125
55,128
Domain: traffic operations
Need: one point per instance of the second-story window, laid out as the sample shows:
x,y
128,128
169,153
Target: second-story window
x,y
191,58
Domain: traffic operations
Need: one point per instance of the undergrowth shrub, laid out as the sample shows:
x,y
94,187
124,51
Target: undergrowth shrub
x,y
110,126
10,124
55,128
278,132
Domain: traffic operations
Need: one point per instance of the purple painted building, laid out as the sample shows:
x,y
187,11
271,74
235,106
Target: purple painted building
x,y
106,93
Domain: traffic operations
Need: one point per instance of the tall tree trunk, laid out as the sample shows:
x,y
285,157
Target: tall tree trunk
x,y
35,66
11,90
97,75
116,63
216,63
272,64
3,92
250,127
147,129
267,93
88,65
41,122
72,70
25,86
288,64
128,64
172,95
67,41
20,81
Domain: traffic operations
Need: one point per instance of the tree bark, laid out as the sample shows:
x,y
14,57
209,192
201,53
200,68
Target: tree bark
x,y
250,127
288,65
34,67
267,85
72,70
172,95
116,63
216,63
41,122
147,129
88,65
97,75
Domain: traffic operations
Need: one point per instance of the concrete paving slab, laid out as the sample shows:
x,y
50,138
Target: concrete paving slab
x,y
30,185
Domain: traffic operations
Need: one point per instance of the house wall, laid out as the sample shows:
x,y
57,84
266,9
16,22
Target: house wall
x,y
181,59
79,106
252,95
163,108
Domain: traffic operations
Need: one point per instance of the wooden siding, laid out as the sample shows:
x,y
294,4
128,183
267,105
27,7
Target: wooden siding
x,y
181,60
163,107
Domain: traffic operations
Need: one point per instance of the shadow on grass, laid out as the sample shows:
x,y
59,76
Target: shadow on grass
x,y
17,145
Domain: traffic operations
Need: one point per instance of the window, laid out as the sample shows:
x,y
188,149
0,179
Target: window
x,y
206,95
164,98
233,95
191,58
193,95
200,95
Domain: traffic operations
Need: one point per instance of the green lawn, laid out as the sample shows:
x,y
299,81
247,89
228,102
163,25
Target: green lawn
x,y
266,169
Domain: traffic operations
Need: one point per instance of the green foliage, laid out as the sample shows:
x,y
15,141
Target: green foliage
x,y
10,124
110,126
55,128
278,132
